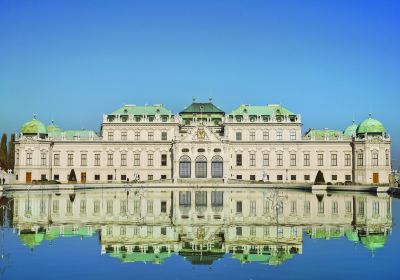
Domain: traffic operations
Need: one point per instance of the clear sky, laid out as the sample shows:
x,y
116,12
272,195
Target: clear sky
x,y
331,61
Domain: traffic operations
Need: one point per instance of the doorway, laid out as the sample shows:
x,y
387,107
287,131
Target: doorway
x,y
375,177
28,177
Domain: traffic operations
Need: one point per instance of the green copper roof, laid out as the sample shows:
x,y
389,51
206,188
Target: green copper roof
x,y
351,130
34,127
140,257
53,128
321,134
143,110
204,108
371,125
71,134
268,110
31,240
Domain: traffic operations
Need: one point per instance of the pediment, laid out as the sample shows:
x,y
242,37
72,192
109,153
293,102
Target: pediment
x,y
200,134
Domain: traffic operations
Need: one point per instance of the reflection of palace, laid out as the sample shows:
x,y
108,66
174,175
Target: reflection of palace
x,y
144,143
201,225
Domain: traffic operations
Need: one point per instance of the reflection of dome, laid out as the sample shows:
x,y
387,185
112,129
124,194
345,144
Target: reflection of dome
x,y
371,126
352,235
34,127
31,239
351,130
373,242
53,128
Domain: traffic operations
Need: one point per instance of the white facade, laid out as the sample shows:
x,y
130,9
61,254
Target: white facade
x,y
163,146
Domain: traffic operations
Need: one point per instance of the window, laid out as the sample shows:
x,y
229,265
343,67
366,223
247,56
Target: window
x,y
163,207
387,158
17,157
70,159
150,159
109,208
201,167
136,159
82,208
163,177
185,167
110,159
217,167
238,160
347,159
96,159
69,207
164,136
361,208
56,206
137,135
110,136
360,159
292,159
375,208
201,198
348,177
293,207
239,231
335,208
252,135
28,158
150,136
123,177
306,177
97,177
279,177
56,160
123,208
238,136
43,159
56,177
123,159
321,207
279,135
292,135
109,177
124,136
306,159
217,198
239,177
265,159
163,160
279,160
375,159
307,207
266,135
150,177
333,159
238,207
149,207
320,159
185,198
83,159
293,177
252,177
253,208
334,177
252,159
348,207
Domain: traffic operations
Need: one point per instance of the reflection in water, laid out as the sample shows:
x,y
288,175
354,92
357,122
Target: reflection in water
x,y
200,225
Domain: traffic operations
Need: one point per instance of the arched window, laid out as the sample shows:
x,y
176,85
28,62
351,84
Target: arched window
x,y
201,167
185,167
217,167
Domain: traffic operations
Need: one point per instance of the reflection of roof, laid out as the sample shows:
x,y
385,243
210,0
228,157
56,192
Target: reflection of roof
x,y
373,242
202,258
31,240
129,257
267,110
324,233
270,259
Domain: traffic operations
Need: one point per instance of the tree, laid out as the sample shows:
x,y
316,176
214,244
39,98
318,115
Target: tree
x,y
319,180
3,152
11,152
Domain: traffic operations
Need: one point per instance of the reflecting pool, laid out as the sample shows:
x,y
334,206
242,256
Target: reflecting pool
x,y
208,233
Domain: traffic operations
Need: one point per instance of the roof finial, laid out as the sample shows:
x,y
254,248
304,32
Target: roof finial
x,y
193,99
34,116
370,115
210,99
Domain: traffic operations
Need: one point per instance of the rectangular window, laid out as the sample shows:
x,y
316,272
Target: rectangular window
x,y
239,231
217,198
292,159
109,177
96,159
29,158
164,136
279,159
252,159
361,208
185,198
150,159
252,135
348,206
293,177
110,136
265,159
266,135
123,159
321,207
334,177
123,177
306,159
279,135
253,208
163,160
43,159
150,207
375,208
97,177
150,177
238,136
201,198
306,177
360,159
335,208
82,208
123,208
69,207
293,135
279,178
56,160
136,206
348,177
70,159
320,159
239,160
109,207
124,136
163,207
238,207
307,207
83,159
136,159
347,159
387,158
293,207
333,159
56,207
110,159
56,177
375,159
137,135
150,136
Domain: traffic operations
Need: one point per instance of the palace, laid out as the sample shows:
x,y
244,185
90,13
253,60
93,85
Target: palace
x,y
203,143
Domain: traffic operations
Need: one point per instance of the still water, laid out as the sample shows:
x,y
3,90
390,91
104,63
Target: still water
x,y
198,233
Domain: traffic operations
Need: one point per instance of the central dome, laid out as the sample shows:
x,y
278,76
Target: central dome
x,y
371,126
34,127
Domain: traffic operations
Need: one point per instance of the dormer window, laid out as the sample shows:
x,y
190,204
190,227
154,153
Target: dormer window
x,y
126,111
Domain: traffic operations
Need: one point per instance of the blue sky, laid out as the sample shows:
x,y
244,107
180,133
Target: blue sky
x,y
331,61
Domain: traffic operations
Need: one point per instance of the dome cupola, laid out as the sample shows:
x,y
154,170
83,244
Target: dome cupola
x,y
351,130
53,128
371,126
34,127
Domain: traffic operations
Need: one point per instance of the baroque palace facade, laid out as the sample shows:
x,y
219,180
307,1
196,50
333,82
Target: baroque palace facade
x,y
203,143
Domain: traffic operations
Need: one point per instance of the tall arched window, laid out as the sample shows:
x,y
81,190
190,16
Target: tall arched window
x,y
185,167
201,167
217,167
